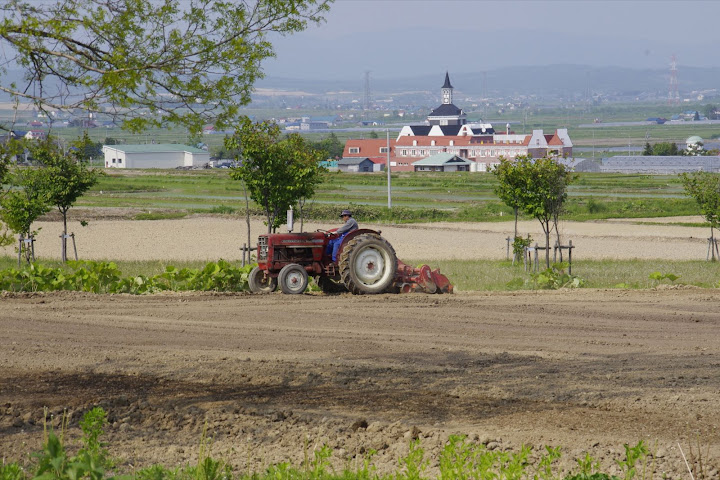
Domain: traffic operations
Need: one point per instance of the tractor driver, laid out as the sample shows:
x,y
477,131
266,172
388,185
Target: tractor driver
x,y
349,226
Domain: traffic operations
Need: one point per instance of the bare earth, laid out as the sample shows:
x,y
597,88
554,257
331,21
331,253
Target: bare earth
x,y
211,238
272,376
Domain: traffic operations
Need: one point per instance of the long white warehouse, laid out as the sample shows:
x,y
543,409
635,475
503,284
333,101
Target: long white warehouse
x,y
154,155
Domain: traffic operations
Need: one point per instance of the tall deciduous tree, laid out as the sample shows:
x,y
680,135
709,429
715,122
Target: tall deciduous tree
x,y
65,176
277,172
146,62
704,187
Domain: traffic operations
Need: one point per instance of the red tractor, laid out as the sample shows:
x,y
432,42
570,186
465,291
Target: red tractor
x,y
366,265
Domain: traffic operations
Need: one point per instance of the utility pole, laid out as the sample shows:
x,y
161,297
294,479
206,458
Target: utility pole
x,y
387,167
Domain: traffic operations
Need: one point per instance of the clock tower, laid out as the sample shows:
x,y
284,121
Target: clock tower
x,y
447,90
447,114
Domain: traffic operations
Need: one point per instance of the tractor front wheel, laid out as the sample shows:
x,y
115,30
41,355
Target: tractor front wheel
x,y
368,264
260,282
293,279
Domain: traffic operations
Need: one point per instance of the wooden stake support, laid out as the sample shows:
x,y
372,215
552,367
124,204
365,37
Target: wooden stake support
x,y
63,244
713,249
247,249
23,245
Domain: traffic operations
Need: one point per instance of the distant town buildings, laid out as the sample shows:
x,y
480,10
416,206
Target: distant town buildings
x,y
446,131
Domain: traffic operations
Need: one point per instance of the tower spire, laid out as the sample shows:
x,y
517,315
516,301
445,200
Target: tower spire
x,y
447,81
447,89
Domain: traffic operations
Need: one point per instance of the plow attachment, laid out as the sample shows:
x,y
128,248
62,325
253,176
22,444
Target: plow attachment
x,y
422,279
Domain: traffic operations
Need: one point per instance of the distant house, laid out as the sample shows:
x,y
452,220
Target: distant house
x,y
358,164
154,156
36,135
443,162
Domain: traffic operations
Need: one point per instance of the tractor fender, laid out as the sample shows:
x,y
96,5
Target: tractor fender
x,y
353,234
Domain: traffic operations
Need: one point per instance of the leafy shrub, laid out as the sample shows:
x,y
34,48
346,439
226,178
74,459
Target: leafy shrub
x,y
659,277
519,244
223,209
105,277
555,277
595,206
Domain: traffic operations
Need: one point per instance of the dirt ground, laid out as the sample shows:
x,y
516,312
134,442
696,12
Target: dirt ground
x,y
275,376
110,235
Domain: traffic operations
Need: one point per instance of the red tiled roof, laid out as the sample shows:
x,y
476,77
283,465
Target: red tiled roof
x,y
369,147
554,140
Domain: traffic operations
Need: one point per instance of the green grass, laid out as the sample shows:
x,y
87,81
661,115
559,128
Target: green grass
x,y
448,196
160,216
494,275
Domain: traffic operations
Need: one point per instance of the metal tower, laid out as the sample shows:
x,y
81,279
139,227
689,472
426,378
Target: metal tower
x,y
673,95
367,100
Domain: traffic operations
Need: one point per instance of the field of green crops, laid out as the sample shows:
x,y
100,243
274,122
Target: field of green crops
x,y
414,196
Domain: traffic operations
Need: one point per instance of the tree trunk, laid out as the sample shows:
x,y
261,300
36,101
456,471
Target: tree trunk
x,y
546,228
247,221
712,242
516,222
64,237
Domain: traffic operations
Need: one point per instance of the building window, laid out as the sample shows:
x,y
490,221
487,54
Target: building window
x,y
432,143
452,142
113,160
383,149
414,143
403,153
354,150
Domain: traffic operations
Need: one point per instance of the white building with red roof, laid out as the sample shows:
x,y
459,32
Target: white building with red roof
x,y
447,131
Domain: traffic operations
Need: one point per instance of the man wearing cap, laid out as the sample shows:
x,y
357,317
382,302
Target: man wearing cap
x,y
349,226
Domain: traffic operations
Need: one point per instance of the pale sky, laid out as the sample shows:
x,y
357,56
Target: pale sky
x,y
410,37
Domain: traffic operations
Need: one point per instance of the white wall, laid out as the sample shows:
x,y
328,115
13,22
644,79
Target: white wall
x,y
153,159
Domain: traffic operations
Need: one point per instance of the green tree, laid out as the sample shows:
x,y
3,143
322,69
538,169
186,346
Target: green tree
x,y
9,152
24,202
331,145
373,134
511,183
709,111
665,149
64,177
278,173
704,187
648,150
544,192
145,62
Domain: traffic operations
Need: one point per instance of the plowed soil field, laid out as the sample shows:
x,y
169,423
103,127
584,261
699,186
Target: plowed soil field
x,y
272,377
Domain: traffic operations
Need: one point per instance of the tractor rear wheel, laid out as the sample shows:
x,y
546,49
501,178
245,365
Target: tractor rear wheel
x,y
368,264
261,282
293,279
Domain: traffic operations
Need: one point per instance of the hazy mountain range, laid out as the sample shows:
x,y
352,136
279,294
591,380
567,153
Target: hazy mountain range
x,y
568,81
